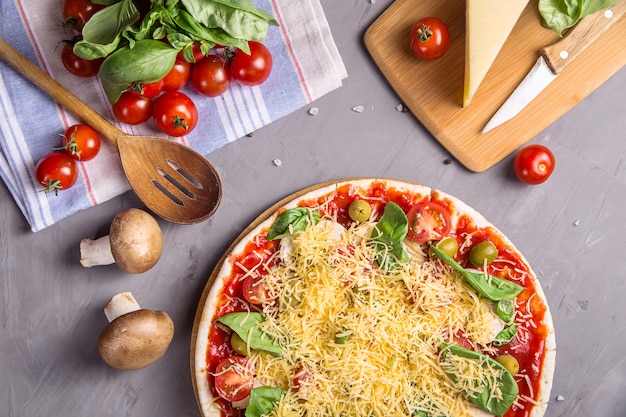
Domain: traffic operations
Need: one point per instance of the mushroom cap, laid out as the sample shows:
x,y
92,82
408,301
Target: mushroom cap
x,y
136,240
135,340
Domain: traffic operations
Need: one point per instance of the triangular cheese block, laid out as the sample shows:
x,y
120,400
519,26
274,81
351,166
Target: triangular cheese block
x,y
488,25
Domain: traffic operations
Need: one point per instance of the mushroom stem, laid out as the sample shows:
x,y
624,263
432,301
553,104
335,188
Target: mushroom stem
x,y
96,252
119,305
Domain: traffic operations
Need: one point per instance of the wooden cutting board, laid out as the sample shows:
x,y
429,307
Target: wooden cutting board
x,y
433,90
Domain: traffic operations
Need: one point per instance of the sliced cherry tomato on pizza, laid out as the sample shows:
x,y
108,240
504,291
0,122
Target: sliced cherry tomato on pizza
x,y
77,12
233,378
56,171
428,220
211,76
178,76
430,38
251,69
132,108
255,291
303,377
534,164
77,65
81,142
175,113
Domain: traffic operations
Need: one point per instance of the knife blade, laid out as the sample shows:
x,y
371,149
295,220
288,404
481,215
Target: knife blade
x,y
554,59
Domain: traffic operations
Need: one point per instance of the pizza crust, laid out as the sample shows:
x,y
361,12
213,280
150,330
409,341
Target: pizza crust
x,y
207,306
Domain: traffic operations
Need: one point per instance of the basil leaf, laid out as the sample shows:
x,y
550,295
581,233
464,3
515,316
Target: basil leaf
x,y
492,288
559,15
262,400
388,236
246,325
506,382
506,335
505,309
148,61
291,221
188,24
239,18
107,24
88,50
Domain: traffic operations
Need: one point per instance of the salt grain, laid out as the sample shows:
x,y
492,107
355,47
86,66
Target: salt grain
x,y
358,109
277,162
560,398
577,222
313,111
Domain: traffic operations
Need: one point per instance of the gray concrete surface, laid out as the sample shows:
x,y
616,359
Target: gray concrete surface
x,y
572,230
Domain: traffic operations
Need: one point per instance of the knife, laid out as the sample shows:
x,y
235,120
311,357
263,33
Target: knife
x,y
554,59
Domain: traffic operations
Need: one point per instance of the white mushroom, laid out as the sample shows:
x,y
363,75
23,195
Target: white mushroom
x,y
134,337
134,243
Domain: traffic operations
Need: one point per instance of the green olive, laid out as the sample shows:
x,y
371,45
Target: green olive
x,y
509,362
483,252
238,344
359,210
447,245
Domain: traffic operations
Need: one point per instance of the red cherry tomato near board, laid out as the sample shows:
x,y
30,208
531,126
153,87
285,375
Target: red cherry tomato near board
x,y
175,113
534,164
430,38
428,220
56,171
251,69
210,76
77,12
81,142
233,378
132,108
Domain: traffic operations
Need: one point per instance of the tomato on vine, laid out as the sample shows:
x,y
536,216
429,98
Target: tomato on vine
x,y
133,108
56,171
251,69
430,38
175,113
210,76
77,12
81,142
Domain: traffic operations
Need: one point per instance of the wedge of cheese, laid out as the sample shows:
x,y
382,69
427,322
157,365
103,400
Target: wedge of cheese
x,y
488,25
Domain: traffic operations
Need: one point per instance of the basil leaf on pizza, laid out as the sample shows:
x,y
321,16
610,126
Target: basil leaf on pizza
x,y
485,382
291,221
388,237
262,400
364,320
491,287
247,327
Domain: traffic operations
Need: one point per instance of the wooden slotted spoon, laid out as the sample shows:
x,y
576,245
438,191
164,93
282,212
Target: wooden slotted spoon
x,y
174,181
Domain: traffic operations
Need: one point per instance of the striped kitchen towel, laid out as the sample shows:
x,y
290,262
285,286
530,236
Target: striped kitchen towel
x,y
307,65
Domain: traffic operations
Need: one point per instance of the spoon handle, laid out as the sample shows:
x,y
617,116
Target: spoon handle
x,y
59,93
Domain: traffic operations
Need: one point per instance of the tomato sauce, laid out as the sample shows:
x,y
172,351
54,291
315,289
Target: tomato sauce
x,y
529,353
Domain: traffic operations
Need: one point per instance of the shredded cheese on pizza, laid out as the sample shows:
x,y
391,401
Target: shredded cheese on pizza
x,y
362,342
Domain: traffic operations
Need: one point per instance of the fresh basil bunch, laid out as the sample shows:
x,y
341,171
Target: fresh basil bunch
x,y
559,15
134,47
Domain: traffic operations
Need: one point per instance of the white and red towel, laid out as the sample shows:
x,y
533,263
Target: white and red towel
x,y
307,65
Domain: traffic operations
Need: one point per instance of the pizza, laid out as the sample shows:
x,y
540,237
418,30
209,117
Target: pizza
x,y
373,297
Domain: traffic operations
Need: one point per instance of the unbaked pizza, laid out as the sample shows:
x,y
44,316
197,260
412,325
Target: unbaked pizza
x,y
378,298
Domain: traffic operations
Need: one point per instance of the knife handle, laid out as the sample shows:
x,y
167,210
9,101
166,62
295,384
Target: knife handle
x,y
586,31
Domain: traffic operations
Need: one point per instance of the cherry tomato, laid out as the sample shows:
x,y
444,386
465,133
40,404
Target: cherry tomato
x,y
77,65
255,291
233,378
175,113
430,38
81,142
132,108
428,220
210,76
149,90
196,51
178,76
56,171
251,69
534,164
303,378
77,12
